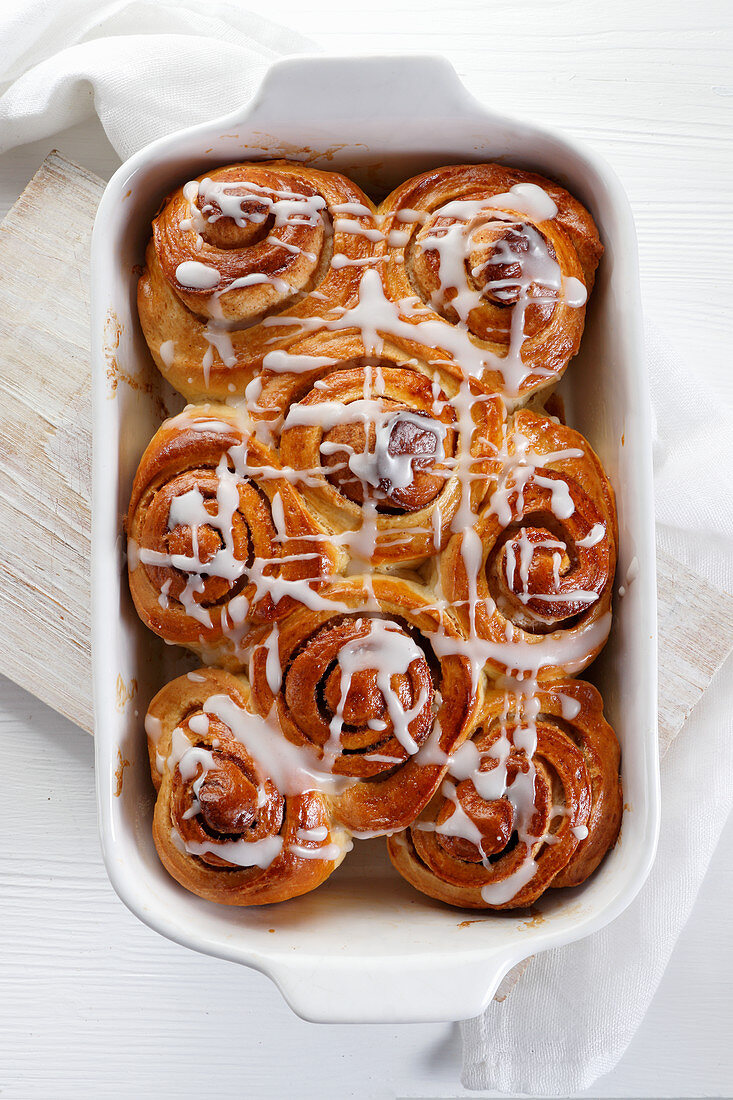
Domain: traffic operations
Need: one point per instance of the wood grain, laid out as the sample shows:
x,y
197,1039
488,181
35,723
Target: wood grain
x,y
45,444
695,623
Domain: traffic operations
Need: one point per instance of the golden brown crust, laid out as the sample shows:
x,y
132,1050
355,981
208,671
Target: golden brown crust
x,y
560,599
207,458
378,521
395,780
301,284
417,213
372,536
317,356
217,806
576,813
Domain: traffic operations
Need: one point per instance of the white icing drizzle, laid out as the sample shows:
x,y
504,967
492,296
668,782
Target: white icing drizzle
x,y
190,510
220,200
242,201
163,597
569,708
194,762
595,535
197,276
574,292
293,769
539,277
318,835
167,352
379,464
385,648
209,200
349,225
241,853
323,851
389,651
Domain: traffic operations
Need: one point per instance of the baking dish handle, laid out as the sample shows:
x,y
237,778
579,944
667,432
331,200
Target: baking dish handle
x,y
424,84
408,989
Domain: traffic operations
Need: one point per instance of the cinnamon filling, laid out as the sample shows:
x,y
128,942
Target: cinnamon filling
x,y
366,462
228,798
250,227
496,821
371,692
502,263
537,577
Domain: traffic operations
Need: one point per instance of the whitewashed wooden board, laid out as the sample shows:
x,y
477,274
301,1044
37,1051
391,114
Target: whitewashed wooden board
x,y
45,442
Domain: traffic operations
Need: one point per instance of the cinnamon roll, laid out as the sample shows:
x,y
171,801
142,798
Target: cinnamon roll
x,y
231,824
386,460
244,258
532,579
492,267
407,559
289,374
532,800
374,683
218,539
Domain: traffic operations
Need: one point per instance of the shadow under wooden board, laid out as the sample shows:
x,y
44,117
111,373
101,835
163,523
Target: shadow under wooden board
x,y
46,459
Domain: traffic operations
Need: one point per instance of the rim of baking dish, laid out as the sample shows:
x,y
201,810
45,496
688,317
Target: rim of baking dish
x,y
482,968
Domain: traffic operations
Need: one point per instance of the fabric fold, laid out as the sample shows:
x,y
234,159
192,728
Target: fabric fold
x,y
145,68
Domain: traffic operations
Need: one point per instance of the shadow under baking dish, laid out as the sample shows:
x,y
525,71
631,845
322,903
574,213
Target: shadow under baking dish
x,y
365,946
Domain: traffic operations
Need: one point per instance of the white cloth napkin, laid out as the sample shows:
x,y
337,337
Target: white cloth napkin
x,y
573,1014
147,68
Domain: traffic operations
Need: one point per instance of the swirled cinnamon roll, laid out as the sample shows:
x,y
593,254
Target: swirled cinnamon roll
x,y
236,249
289,374
374,684
408,559
533,578
218,539
492,267
386,460
231,824
531,800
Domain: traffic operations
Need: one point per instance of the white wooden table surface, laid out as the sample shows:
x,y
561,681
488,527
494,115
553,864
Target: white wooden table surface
x,y
95,1004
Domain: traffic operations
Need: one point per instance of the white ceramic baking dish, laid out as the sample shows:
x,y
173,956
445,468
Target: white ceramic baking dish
x,y
366,947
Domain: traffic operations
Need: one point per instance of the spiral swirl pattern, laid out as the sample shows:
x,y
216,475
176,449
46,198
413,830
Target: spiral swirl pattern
x,y
532,800
408,562
384,462
534,577
222,827
504,257
234,250
218,539
369,692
